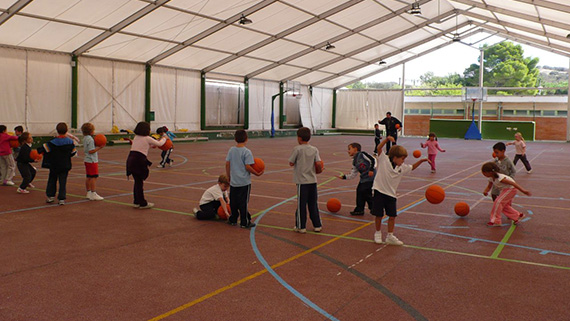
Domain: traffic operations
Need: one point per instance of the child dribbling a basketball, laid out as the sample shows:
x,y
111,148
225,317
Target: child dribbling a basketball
x,y
503,202
432,146
520,147
363,165
91,161
505,165
389,173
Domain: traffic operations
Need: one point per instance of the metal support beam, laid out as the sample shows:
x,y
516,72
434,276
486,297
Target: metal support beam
x,y
547,4
283,34
568,110
281,105
202,101
529,41
333,123
481,68
147,91
333,40
15,8
74,90
423,53
211,30
435,36
515,14
119,26
246,103
370,46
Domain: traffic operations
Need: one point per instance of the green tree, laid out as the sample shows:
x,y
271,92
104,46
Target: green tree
x,y
505,66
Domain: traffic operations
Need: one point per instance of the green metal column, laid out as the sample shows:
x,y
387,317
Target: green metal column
x,y
281,105
147,94
246,104
203,101
333,125
74,88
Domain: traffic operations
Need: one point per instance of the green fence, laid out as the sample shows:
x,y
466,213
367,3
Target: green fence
x,y
490,129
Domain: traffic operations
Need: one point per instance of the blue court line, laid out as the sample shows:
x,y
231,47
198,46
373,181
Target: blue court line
x,y
454,226
274,274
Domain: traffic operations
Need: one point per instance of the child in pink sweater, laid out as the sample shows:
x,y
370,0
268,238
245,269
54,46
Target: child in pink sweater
x,y
432,146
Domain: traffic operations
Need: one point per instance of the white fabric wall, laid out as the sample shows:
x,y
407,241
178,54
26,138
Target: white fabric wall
x,y
110,93
36,90
351,111
306,108
260,93
363,109
321,106
175,98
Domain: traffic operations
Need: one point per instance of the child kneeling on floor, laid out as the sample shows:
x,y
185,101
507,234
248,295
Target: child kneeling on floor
x,y
213,198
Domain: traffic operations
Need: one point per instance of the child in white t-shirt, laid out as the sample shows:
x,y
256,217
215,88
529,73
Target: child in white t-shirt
x,y
389,172
503,202
213,198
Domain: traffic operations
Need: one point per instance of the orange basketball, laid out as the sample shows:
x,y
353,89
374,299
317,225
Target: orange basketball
x,y
100,140
461,209
14,143
435,194
333,205
222,214
167,145
321,165
35,155
397,126
258,164
494,155
417,153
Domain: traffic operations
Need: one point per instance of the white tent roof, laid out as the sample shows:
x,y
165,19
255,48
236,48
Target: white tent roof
x,y
287,38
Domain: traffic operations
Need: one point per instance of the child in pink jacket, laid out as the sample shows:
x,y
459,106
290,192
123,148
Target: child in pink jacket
x,y
432,146
7,163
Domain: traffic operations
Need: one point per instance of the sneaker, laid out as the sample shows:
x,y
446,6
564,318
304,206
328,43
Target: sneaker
x,y
529,171
89,195
318,229
61,202
31,186
9,183
300,230
96,197
136,205
22,191
50,199
170,163
433,170
493,224
148,205
521,216
231,223
378,237
393,240
357,213
160,166
195,210
250,225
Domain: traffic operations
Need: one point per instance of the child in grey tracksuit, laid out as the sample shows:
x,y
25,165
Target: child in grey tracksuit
x,y
362,164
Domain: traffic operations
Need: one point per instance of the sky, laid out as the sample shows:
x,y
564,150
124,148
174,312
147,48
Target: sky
x,y
440,64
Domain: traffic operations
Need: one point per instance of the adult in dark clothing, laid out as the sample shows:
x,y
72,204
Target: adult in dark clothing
x,y
393,125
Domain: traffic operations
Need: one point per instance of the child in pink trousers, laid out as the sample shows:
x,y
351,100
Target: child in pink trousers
x,y
432,146
503,202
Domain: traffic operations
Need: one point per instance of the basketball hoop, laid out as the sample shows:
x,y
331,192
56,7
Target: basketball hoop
x,y
297,96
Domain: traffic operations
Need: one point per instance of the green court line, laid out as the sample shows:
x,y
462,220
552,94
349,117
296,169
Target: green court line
x,y
503,241
432,249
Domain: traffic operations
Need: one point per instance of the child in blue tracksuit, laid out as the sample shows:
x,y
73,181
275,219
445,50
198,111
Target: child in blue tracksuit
x,y
362,164
165,153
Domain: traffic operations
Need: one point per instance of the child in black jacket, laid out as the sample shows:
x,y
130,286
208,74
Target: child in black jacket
x,y
23,160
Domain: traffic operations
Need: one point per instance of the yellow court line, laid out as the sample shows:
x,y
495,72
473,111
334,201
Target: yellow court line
x,y
252,276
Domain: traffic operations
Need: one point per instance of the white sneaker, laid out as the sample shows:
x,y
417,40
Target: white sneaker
x,y
96,197
9,183
160,166
89,195
393,240
433,170
148,205
378,237
31,186
318,229
50,199
22,191
300,230
528,172
61,202
195,210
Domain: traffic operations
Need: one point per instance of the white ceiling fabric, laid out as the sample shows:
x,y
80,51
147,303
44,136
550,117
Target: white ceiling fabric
x,y
287,38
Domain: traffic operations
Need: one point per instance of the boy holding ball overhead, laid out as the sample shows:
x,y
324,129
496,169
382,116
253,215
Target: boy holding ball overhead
x,y
239,169
389,173
306,164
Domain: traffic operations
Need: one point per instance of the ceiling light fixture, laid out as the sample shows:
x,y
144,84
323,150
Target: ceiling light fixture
x,y
381,62
568,36
456,37
329,46
244,21
416,10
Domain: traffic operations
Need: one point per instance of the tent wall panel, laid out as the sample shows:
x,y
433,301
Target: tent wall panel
x,y
322,107
187,100
381,102
163,97
13,107
260,93
351,109
129,94
95,98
